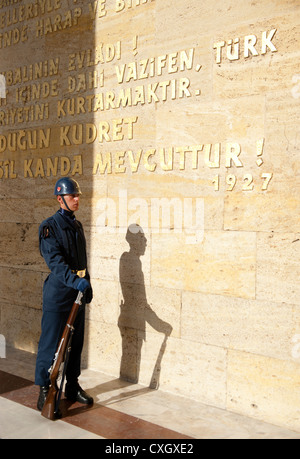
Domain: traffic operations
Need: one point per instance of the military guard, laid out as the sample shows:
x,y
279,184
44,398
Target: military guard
x,y
63,246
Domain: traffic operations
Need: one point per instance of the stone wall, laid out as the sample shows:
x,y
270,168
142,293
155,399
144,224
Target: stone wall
x,y
182,117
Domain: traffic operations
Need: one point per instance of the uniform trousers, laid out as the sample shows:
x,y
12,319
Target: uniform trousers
x,y
53,324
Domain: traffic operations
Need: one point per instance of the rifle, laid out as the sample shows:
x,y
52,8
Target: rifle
x,y
50,408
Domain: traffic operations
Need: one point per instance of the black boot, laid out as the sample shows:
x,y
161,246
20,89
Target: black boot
x,y
42,397
74,392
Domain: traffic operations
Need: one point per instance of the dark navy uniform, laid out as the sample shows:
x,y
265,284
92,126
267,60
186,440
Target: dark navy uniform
x,y
63,246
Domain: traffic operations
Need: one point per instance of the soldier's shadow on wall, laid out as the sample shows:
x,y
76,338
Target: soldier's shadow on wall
x,y
135,311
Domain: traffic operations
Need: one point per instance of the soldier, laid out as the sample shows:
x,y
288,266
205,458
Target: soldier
x,y
63,246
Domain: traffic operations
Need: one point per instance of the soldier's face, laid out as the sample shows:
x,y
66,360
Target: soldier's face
x,y
72,201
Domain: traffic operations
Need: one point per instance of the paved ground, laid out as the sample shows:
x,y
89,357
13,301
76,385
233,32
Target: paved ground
x,y
121,411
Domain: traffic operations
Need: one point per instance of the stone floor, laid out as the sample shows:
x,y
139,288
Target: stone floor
x,y
121,411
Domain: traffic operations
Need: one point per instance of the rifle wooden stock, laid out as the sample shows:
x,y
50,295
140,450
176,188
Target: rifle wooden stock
x,y
50,409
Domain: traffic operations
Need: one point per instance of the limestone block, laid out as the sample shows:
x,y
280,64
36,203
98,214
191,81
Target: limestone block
x,y
240,119
105,304
125,337
166,305
282,132
272,211
20,244
222,18
276,208
264,388
223,263
44,208
103,348
38,209
239,324
263,73
105,253
258,80
21,287
154,361
190,369
21,326
150,309
18,188
11,209
278,268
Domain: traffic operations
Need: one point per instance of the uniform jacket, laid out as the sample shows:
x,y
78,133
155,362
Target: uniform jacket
x,y
63,246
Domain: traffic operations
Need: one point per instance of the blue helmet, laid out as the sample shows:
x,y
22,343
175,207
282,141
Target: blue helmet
x,y
66,185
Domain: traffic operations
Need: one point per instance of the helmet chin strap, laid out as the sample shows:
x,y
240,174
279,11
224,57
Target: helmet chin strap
x,y
63,198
